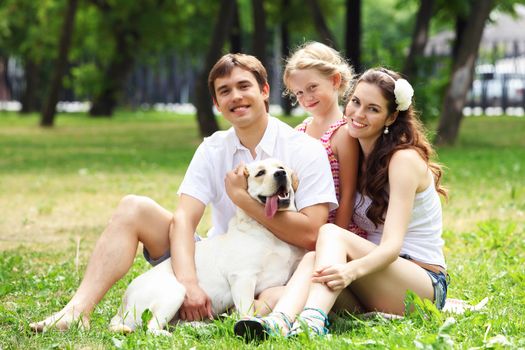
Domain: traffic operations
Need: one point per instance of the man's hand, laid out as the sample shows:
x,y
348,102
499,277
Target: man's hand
x,y
196,305
235,183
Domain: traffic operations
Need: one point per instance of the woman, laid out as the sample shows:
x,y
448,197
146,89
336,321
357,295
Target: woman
x,y
397,203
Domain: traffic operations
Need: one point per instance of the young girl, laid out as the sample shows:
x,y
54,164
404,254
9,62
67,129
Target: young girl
x,y
397,204
318,78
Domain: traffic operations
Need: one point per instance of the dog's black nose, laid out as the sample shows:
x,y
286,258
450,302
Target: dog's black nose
x,y
279,174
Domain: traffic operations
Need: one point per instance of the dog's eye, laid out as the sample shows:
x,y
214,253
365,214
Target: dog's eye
x,y
260,173
281,167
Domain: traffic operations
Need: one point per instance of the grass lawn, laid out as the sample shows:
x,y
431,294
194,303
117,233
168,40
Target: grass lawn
x,y
59,186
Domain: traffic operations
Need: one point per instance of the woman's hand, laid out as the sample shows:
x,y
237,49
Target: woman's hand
x,y
336,277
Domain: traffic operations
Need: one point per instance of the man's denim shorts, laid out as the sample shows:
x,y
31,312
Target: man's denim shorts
x,y
440,283
166,255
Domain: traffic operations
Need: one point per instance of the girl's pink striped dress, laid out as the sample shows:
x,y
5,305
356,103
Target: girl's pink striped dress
x,y
334,164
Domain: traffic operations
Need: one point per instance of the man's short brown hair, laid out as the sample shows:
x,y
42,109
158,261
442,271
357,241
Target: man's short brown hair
x,y
228,62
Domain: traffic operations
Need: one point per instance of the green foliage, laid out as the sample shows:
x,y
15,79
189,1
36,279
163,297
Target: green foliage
x,y
91,40
300,22
152,29
86,79
146,316
429,86
386,33
421,310
29,29
29,32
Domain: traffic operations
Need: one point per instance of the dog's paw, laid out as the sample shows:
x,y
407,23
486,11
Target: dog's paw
x,y
120,328
159,332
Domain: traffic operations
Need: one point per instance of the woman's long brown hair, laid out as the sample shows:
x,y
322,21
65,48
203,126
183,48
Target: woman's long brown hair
x,y
406,132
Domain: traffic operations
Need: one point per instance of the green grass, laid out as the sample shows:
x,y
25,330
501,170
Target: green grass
x,y
59,186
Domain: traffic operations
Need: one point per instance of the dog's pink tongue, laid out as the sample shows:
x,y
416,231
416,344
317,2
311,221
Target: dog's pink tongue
x,y
271,206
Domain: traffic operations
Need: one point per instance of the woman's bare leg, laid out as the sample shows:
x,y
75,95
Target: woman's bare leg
x,y
347,302
291,301
296,290
384,290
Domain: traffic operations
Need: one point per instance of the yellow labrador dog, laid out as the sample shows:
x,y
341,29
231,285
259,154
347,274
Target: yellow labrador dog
x,y
232,268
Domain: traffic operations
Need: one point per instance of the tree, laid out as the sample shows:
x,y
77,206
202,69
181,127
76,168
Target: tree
x,y
48,113
31,100
286,104
5,91
353,33
126,24
28,31
236,30
115,35
386,30
259,31
320,24
419,38
462,71
205,117
126,37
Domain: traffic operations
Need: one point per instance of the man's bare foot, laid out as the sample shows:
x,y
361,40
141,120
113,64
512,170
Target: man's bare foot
x,y
62,320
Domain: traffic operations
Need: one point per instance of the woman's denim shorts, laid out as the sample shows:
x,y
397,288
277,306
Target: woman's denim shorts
x,y
440,283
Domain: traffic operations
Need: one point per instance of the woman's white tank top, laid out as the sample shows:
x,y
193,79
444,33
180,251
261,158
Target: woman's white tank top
x,y
423,240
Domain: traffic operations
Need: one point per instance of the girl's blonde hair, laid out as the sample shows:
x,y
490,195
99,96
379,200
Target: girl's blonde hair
x,y
315,55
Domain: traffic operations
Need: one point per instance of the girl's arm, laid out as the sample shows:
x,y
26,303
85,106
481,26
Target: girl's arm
x,y
346,149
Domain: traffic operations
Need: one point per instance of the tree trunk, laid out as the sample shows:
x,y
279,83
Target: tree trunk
x,y
286,104
116,74
29,100
5,91
419,38
205,117
353,33
259,31
320,24
462,72
460,27
49,111
235,33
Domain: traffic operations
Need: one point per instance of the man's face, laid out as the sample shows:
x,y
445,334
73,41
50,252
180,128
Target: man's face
x,y
239,98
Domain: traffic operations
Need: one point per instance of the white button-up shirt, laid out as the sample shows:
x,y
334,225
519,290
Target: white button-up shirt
x,y
222,152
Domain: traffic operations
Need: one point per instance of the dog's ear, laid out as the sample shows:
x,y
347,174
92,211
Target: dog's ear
x,y
246,172
295,181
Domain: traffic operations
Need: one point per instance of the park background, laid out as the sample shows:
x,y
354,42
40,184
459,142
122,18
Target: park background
x,y
101,98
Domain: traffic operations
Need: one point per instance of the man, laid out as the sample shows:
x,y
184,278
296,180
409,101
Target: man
x,y
239,88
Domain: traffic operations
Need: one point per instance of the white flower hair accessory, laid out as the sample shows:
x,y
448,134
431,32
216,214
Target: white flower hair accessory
x,y
403,92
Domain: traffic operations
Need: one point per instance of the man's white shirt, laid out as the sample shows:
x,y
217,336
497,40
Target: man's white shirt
x,y
222,152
